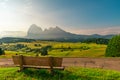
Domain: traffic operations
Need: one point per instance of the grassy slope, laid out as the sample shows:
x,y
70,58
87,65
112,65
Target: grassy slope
x,y
94,51
61,49
67,74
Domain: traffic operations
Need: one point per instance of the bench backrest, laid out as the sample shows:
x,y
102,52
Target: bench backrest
x,y
37,61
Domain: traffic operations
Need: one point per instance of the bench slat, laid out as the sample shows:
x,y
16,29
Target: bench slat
x,y
39,62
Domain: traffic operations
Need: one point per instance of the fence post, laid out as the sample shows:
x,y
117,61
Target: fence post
x,y
21,62
51,64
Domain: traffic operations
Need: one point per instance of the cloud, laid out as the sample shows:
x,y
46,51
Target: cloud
x,y
25,6
102,31
3,3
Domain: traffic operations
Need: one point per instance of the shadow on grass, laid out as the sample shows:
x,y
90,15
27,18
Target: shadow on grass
x,y
42,74
67,74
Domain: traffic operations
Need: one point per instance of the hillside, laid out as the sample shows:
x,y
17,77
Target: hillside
x,y
14,40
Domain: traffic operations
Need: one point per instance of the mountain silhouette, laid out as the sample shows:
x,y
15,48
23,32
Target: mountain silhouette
x,y
35,32
34,29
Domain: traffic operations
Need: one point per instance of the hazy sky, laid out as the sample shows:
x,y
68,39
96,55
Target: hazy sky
x,y
77,16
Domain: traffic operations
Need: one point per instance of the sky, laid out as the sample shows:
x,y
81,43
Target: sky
x,y
76,16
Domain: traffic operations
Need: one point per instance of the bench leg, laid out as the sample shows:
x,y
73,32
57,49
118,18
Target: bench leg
x,y
21,62
21,68
51,71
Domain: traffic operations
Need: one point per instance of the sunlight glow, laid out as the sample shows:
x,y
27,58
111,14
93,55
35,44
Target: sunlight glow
x,y
18,15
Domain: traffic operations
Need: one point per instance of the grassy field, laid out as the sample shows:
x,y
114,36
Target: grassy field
x,y
68,74
59,49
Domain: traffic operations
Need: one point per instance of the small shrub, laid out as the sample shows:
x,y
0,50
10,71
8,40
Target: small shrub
x,y
44,50
2,51
37,45
84,48
69,47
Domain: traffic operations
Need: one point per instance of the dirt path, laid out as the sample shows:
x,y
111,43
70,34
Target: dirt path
x,y
6,62
106,63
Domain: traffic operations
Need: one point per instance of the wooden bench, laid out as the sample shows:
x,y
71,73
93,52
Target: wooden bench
x,y
38,62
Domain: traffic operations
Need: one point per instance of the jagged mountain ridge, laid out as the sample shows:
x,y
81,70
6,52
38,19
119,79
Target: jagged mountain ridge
x,y
35,32
34,29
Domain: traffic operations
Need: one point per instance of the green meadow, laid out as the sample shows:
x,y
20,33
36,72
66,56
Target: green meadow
x,y
58,49
70,73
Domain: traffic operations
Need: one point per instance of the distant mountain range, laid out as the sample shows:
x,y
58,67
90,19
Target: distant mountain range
x,y
56,33
35,32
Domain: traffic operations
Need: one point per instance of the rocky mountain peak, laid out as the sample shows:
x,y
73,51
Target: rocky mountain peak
x,y
34,29
54,29
35,32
